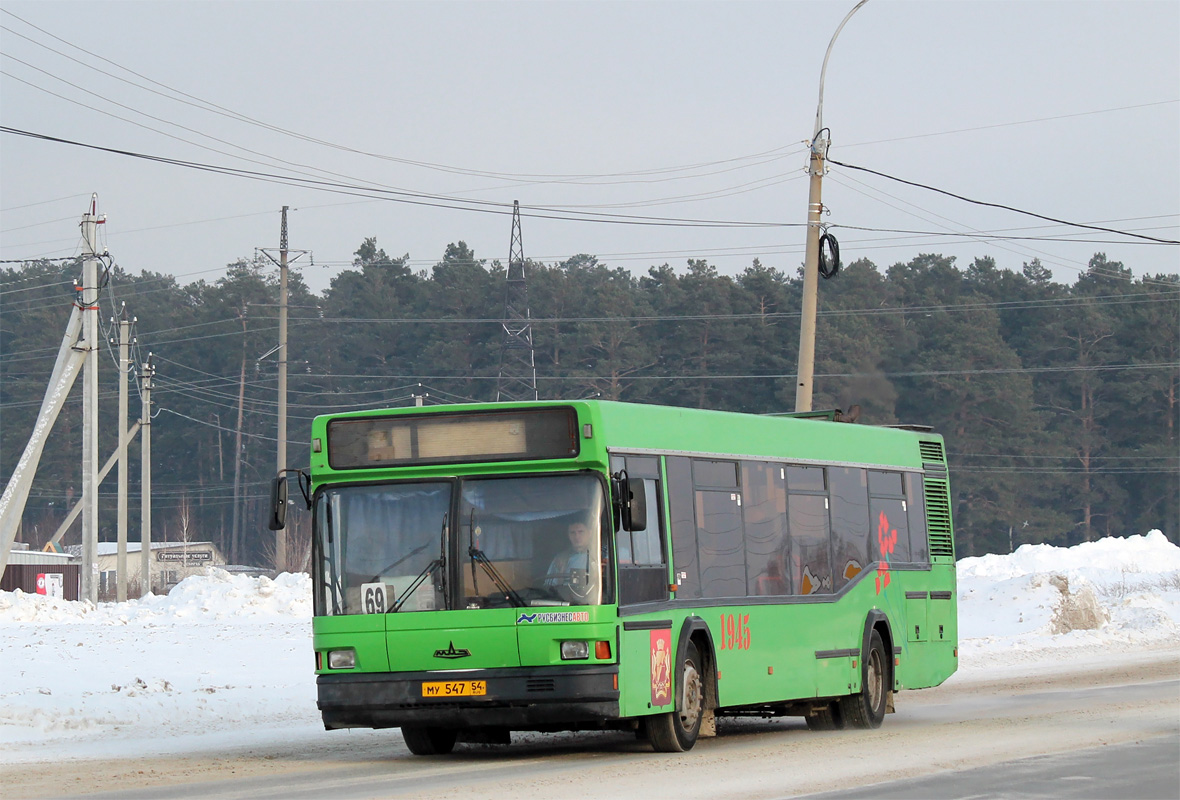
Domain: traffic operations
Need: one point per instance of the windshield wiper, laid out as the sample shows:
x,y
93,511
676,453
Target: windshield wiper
x,y
478,555
426,571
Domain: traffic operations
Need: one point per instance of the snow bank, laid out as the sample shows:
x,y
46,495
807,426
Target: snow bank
x,y
1101,561
220,655
1114,595
215,596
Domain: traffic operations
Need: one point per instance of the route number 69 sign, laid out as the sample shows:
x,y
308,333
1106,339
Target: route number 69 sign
x,y
373,598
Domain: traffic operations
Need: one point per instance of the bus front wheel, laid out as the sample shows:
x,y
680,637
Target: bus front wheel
x,y
676,731
424,741
866,709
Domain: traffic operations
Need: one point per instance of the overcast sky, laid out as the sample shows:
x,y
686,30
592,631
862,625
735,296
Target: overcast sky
x,y
676,110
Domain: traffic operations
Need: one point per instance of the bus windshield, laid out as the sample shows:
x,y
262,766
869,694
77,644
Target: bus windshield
x,y
538,536
519,541
373,544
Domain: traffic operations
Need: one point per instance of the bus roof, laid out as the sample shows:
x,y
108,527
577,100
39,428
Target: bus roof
x,y
638,427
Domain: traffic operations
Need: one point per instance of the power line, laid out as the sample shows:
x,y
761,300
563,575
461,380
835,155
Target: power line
x,y
43,202
1096,300
1077,266
415,198
1001,206
1011,124
783,375
214,108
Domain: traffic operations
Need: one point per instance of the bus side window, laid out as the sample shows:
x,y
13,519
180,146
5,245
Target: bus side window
x,y
811,566
764,496
851,530
722,553
683,527
643,571
889,498
645,544
916,507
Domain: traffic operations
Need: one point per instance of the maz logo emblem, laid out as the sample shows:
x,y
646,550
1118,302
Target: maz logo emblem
x,y
451,652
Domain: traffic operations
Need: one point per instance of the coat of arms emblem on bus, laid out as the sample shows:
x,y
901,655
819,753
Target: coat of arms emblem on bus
x,y
886,540
661,667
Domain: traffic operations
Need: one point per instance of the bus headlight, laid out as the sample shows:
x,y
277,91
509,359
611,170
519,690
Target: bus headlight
x,y
574,651
341,659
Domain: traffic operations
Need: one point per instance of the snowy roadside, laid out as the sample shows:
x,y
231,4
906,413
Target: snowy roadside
x,y
225,661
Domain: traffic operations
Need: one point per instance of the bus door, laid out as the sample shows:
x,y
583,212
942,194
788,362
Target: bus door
x,y
647,645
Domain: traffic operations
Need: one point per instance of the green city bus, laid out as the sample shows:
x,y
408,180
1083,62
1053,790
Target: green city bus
x,y
544,566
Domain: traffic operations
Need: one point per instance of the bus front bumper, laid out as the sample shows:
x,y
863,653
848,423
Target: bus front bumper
x,y
525,698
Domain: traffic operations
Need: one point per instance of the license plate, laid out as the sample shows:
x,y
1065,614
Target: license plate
x,y
454,688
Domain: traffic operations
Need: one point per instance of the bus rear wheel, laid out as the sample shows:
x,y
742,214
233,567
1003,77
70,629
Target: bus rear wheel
x,y
676,731
424,741
866,709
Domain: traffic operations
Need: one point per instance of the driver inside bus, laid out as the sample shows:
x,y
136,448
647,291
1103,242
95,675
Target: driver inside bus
x,y
572,572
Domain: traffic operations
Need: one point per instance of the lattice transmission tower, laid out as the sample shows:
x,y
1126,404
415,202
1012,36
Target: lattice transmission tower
x,y
518,369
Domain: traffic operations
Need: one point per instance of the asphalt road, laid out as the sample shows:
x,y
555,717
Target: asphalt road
x,y
1147,770
1083,734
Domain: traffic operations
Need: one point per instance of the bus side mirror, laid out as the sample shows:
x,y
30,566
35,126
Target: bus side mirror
x,y
278,504
634,504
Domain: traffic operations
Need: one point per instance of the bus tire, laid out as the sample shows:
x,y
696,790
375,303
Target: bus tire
x,y
424,741
866,709
676,731
825,719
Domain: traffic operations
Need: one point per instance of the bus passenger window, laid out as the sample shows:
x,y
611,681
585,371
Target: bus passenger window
x,y
683,527
810,544
645,544
891,537
850,522
805,479
891,534
643,571
721,551
916,509
764,497
720,474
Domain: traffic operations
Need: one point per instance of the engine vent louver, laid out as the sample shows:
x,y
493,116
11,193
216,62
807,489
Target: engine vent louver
x,y
938,518
932,451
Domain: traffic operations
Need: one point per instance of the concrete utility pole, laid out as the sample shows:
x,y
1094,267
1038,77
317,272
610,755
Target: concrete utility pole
x,y
16,493
236,530
281,536
88,300
145,481
124,367
819,152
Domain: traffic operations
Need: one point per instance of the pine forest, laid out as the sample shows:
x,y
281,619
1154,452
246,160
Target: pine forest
x,y
1058,401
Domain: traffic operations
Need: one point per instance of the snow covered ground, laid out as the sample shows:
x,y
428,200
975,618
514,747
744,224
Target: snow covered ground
x,y
226,661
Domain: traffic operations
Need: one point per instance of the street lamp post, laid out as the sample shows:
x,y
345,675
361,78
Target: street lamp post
x,y
819,152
